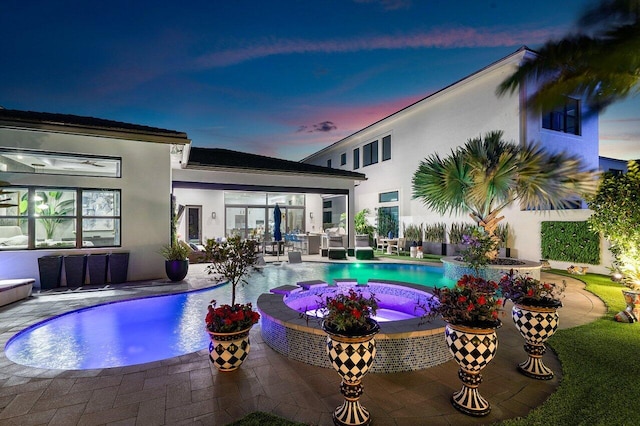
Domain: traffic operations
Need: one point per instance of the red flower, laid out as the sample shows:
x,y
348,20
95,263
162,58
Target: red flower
x,y
482,300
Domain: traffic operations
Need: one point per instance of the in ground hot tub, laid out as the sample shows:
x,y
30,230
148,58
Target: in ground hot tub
x,y
402,344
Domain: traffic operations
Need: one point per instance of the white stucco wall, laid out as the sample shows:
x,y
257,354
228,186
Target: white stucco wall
x,y
445,121
145,189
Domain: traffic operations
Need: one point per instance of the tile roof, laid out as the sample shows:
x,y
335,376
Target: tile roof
x,y
67,123
225,158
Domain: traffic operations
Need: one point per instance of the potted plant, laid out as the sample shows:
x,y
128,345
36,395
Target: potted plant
x,y
176,260
413,237
229,325
471,310
351,348
535,314
435,236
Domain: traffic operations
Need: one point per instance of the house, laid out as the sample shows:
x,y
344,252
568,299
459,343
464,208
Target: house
x,y
84,186
389,151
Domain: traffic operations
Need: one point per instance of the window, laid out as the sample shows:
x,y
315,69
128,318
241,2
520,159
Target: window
x,y
565,118
356,158
343,158
329,163
25,161
370,153
386,148
54,217
388,197
326,204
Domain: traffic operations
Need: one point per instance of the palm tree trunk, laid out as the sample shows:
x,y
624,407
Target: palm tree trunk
x,y
489,224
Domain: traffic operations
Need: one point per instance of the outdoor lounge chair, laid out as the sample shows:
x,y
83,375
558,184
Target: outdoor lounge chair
x,y
336,250
363,251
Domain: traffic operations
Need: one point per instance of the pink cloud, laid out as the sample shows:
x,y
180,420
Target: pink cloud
x,y
462,37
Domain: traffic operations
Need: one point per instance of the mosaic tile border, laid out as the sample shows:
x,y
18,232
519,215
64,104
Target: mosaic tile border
x,y
406,345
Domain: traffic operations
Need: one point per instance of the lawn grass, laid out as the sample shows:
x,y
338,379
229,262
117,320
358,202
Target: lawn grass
x,y
429,258
600,384
601,372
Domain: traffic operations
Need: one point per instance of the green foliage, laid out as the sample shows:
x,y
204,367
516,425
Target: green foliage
x,y
178,250
231,259
435,233
597,361
502,232
412,232
570,242
478,246
486,175
616,214
599,61
361,225
386,222
458,230
48,206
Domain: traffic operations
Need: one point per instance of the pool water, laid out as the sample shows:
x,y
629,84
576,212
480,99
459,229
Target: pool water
x,y
155,328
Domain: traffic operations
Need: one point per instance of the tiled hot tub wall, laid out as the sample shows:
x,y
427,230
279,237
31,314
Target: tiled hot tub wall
x,y
401,345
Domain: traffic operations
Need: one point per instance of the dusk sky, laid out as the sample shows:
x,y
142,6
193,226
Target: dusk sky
x,y
278,78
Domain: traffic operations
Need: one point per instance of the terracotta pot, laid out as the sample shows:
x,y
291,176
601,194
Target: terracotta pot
x,y
536,324
472,348
227,351
351,356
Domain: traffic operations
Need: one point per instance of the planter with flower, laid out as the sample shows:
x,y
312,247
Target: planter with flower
x,y
229,325
351,348
535,314
471,310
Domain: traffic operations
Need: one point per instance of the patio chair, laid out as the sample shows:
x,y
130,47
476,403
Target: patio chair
x,y
336,250
398,247
363,251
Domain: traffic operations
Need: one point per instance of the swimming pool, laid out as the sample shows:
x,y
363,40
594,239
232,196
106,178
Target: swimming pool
x,y
160,327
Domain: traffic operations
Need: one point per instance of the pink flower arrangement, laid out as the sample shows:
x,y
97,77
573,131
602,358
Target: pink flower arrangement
x,y
230,319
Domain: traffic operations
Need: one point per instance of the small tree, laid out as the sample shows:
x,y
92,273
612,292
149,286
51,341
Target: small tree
x,y
361,225
616,214
232,260
486,175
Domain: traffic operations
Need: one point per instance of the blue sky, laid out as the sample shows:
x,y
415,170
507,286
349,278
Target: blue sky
x,y
279,78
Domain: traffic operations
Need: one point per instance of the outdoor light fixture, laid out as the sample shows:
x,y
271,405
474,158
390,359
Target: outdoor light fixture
x,y
213,215
311,215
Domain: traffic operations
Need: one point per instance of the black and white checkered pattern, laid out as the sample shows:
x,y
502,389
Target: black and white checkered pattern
x,y
472,351
535,327
351,360
229,355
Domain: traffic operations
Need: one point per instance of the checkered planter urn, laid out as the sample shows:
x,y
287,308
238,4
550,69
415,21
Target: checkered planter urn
x,y
472,348
227,351
351,357
536,324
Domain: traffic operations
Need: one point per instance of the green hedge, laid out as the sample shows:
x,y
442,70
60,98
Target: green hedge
x,y
570,242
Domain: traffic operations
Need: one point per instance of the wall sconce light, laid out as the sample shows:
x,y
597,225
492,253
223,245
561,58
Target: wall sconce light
x,y
213,215
310,215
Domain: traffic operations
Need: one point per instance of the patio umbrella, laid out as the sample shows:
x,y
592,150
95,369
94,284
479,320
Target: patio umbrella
x,y
277,234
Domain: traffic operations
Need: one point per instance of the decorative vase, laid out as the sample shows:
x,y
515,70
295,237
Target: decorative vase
x,y
632,312
472,348
227,351
176,269
351,356
536,324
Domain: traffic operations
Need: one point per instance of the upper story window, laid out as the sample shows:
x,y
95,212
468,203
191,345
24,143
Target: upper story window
x,y
388,197
24,161
386,148
343,158
370,153
356,158
329,163
564,118
60,217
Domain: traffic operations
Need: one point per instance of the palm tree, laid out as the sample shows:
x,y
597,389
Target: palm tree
x,y
486,175
600,63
